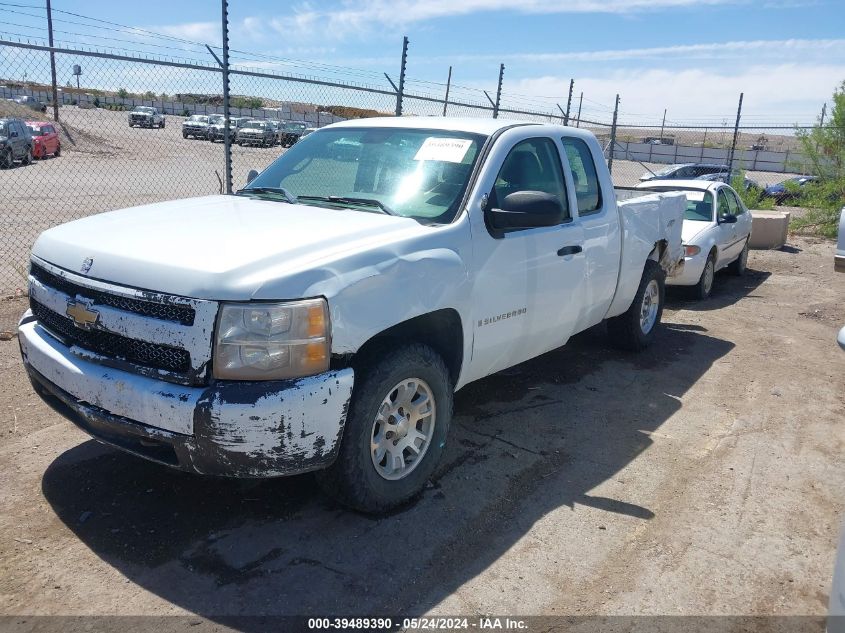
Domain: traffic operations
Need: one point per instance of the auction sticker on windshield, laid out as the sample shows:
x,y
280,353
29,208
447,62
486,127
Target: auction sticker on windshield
x,y
449,150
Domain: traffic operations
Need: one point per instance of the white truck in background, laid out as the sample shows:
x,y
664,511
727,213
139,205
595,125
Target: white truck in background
x,y
321,318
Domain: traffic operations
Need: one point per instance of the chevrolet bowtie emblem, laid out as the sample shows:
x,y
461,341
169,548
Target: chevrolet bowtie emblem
x,y
81,314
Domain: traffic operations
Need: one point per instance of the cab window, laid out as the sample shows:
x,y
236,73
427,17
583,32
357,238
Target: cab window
x,y
587,190
732,203
532,165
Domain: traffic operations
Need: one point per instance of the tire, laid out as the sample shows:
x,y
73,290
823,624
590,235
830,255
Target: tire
x,y
162,125
7,161
58,151
184,135
27,158
355,479
740,264
704,287
634,329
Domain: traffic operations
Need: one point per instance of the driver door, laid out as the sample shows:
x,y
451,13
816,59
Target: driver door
x,y
527,291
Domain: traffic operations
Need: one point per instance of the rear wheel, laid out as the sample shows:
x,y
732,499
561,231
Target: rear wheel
x,y
738,266
395,432
635,329
7,160
27,158
704,287
58,151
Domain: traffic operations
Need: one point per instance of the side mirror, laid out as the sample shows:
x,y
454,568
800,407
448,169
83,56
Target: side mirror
x,y
253,173
527,210
730,218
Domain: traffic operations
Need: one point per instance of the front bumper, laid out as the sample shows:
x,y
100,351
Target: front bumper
x,y
690,272
232,429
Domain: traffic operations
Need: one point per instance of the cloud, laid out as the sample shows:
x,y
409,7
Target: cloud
x,y
357,17
773,93
205,32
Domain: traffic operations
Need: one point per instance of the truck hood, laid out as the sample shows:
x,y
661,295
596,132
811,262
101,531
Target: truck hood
x,y
216,247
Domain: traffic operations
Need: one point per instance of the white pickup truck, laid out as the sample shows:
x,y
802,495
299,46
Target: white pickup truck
x,y
321,318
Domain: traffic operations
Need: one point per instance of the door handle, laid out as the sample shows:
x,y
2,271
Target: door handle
x,y
569,250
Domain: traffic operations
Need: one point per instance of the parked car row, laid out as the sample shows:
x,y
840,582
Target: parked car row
x,y
785,191
244,131
26,141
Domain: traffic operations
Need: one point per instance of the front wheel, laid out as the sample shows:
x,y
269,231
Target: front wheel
x,y
635,328
27,158
739,265
704,287
395,431
58,151
7,160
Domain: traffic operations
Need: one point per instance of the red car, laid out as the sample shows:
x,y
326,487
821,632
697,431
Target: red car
x,y
45,139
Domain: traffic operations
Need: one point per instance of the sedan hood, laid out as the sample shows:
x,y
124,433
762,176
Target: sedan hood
x,y
692,228
216,247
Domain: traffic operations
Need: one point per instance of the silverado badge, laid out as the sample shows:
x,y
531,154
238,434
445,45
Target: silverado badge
x,y
81,314
86,265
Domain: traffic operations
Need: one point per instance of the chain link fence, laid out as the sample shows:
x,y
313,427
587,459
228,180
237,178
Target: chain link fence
x,y
106,162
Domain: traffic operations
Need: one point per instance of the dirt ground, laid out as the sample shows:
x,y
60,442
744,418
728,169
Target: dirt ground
x,y
703,476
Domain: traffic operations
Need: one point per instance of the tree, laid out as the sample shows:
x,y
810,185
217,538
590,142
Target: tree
x,y
122,93
824,148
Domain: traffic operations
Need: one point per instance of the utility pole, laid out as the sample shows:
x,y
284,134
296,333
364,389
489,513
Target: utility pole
x,y
569,102
613,136
663,125
227,142
448,85
580,103
401,91
736,136
53,62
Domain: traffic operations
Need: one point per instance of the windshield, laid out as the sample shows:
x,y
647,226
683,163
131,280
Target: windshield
x,y
3,131
294,126
699,206
415,173
198,117
217,118
255,124
666,170
36,131
144,110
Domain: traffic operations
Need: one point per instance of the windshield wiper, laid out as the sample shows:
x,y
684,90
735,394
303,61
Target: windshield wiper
x,y
369,202
288,196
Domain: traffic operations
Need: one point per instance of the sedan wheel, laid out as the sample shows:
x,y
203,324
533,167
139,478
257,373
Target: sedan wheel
x,y
739,265
704,286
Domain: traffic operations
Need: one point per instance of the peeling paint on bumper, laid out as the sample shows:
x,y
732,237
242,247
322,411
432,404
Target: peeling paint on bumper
x,y
233,429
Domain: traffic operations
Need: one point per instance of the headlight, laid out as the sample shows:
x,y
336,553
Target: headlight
x,y
691,251
271,341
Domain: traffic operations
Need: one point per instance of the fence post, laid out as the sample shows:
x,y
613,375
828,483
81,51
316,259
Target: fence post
x,y
499,92
227,143
703,145
569,102
613,136
400,92
580,103
53,63
736,136
448,85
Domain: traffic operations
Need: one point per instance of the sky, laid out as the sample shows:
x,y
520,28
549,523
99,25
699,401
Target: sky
x,y
689,57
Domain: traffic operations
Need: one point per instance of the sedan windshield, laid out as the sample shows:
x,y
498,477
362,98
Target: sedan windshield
x,y
699,206
35,130
415,173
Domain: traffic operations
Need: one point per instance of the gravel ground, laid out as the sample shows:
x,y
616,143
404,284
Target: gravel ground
x,y
703,476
